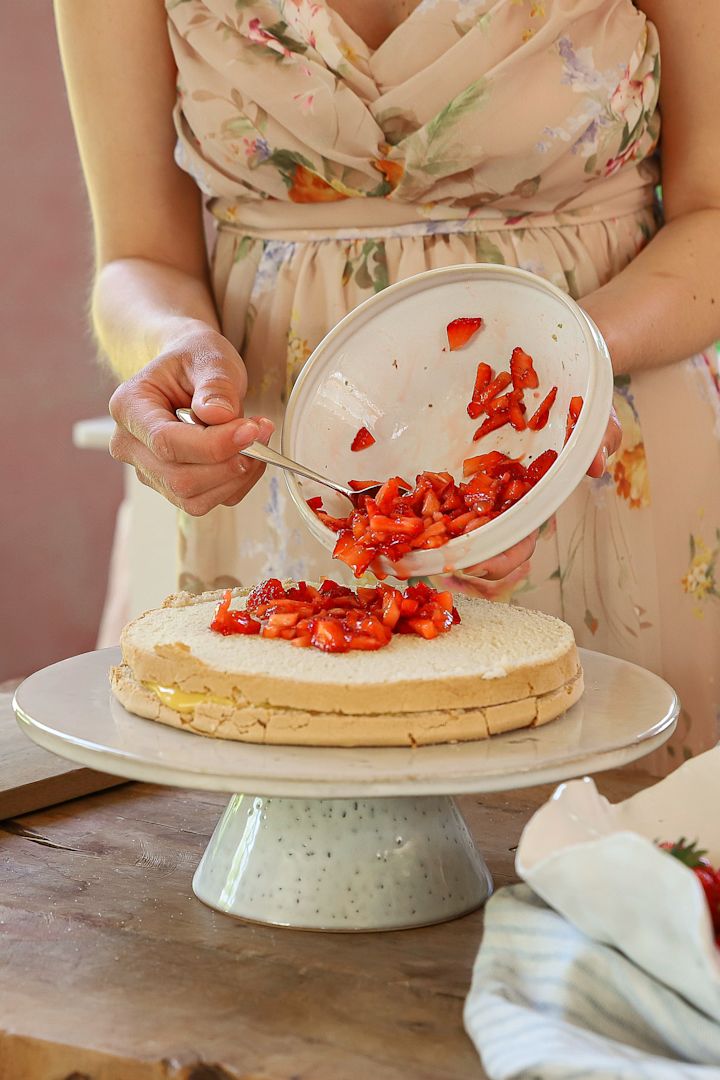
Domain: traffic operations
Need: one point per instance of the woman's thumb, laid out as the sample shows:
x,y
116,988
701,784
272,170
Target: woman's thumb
x,y
217,396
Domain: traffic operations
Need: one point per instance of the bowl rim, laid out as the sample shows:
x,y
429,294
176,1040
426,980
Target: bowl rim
x,y
574,458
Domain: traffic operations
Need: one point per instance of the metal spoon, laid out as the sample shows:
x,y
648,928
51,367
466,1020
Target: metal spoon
x,y
259,452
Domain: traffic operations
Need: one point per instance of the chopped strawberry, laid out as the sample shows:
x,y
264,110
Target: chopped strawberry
x,y
335,524
524,376
389,492
349,551
459,331
362,440
301,641
399,526
316,503
497,420
482,380
513,491
392,600
440,482
336,591
358,485
516,410
459,523
421,592
272,589
303,592
540,417
335,619
284,619
431,504
233,622
485,462
327,634
537,469
496,386
576,404
424,627
481,493
498,404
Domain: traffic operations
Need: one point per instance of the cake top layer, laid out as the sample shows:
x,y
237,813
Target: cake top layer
x,y
492,641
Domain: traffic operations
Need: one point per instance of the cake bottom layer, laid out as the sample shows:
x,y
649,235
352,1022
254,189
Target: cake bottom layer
x,y
296,727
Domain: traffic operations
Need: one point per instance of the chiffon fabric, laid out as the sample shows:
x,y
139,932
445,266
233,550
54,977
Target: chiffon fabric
x,y
496,131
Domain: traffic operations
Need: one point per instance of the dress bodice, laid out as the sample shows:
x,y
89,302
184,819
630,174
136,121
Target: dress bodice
x,y
492,106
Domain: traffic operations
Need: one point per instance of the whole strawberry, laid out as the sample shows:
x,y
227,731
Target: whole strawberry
x,y
695,858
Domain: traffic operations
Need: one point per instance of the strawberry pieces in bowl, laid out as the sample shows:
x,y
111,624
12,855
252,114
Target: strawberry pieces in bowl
x,y
334,618
401,519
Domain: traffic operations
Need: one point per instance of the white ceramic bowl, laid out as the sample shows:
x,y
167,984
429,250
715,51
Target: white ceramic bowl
x,y
386,366
598,865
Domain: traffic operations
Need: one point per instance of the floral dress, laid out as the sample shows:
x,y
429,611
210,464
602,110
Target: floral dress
x,y
495,131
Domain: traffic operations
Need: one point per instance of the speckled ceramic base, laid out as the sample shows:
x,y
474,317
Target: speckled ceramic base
x,y
342,864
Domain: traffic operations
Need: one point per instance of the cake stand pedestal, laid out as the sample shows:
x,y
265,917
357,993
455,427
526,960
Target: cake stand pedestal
x,y
344,839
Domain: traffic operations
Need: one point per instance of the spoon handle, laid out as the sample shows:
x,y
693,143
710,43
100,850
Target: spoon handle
x,y
259,452
263,453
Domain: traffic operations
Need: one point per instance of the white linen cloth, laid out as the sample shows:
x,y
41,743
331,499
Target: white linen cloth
x,y
548,1002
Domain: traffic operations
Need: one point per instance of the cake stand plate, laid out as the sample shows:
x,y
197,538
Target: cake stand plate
x,y
344,839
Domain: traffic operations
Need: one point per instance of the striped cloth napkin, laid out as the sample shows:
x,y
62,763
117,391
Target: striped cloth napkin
x,y
549,1003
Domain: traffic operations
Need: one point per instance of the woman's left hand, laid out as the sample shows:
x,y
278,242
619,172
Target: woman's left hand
x,y
508,564
514,563
610,445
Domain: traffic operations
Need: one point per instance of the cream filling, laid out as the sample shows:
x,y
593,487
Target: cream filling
x,y
184,701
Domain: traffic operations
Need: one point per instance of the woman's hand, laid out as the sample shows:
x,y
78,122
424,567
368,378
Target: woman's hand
x,y
509,565
610,445
195,468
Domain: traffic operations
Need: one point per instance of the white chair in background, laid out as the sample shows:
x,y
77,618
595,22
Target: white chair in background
x,y
143,565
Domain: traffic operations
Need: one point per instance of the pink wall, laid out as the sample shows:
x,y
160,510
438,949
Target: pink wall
x,y
58,503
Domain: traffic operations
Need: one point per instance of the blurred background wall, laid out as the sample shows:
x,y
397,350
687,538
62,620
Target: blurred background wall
x,y
58,503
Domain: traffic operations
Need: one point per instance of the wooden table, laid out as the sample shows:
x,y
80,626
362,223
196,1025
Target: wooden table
x,y
110,969
32,778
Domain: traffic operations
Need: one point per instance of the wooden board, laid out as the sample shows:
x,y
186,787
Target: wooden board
x,y
112,970
32,778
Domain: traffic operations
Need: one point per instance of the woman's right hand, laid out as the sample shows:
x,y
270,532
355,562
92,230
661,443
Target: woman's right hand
x,y
195,468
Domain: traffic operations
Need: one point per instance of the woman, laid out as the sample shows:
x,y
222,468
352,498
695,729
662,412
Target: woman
x,y
344,146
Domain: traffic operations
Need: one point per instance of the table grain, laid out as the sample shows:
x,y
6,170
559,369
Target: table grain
x,y
111,969
32,778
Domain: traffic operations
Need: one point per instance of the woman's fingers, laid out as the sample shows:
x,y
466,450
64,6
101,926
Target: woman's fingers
x,y
501,565
195,488
610,445
503,588
228,494
139,410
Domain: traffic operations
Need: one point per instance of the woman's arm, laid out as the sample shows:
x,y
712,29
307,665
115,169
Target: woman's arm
x,y
152,307
147,215
665,305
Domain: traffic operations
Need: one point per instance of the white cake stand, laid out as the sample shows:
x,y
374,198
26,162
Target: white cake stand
x,y
344,839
